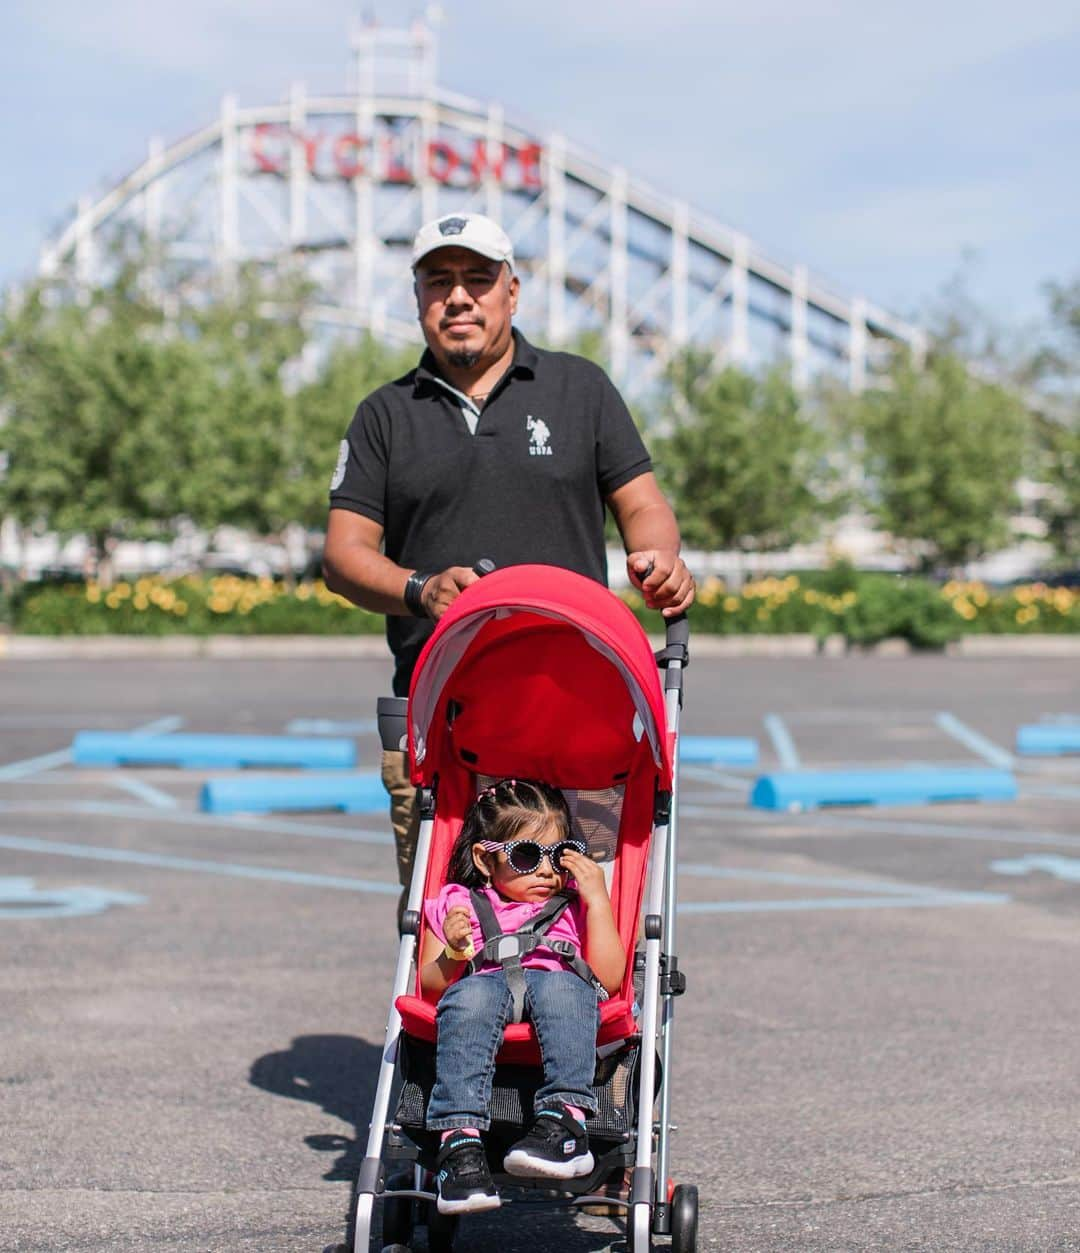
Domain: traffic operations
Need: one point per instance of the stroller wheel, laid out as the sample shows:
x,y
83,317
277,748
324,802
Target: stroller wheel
x,y
441,1230
684,1216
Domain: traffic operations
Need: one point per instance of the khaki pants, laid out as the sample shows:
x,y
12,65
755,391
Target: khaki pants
x,y
404,817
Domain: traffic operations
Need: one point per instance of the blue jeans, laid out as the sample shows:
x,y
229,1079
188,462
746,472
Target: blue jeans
x,y
472,1013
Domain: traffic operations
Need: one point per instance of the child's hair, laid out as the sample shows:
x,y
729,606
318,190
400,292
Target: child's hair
x,y
501,812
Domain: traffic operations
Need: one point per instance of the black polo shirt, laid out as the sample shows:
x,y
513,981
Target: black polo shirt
x,y
553,441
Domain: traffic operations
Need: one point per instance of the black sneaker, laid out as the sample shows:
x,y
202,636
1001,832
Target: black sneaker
x,y
557,1147
463,1179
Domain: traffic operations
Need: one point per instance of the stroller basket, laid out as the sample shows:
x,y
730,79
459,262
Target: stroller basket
x,y
514,1088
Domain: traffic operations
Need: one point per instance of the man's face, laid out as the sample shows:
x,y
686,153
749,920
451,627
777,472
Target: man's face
x,y
465,303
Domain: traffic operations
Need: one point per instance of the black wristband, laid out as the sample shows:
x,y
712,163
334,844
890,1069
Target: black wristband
x,y
414,590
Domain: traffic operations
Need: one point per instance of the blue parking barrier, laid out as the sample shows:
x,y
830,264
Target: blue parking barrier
x,y
718,750
810,789
107,748
1048,739
269,793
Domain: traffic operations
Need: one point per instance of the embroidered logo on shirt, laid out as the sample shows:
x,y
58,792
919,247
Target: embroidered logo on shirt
x,y
339,469
538,437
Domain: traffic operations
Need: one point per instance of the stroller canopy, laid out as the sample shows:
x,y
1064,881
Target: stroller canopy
x,y
538,671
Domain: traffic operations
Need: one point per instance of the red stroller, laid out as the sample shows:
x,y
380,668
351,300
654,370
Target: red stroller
x,y
538,672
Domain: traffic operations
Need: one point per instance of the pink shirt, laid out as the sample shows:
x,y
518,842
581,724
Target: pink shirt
x,y
511,914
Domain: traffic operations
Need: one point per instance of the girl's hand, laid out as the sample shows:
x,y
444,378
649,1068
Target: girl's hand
x,y
588,876
457,927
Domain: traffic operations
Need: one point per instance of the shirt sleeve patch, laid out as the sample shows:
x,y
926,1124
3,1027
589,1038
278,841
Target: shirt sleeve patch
x,y
339,469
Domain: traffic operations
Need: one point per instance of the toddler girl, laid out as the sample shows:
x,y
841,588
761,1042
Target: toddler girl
x,y
516,851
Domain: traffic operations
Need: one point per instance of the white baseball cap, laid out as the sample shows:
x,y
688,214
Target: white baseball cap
x,y
464,230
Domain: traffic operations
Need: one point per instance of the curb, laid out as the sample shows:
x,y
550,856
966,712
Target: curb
x,y
189,647
373,647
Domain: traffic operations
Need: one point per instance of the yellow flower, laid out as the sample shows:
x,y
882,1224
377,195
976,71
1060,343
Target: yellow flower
x,y
93,593
731,603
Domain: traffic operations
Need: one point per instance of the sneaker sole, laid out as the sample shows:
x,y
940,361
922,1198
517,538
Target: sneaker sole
x,y
525,1167
475,1204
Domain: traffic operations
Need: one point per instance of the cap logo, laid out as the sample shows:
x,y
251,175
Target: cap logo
x,y
452,226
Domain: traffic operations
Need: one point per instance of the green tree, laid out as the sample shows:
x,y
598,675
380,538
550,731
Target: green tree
x,y
99,399
1059,467
943,451
1055,369
742,458
324,407
247,445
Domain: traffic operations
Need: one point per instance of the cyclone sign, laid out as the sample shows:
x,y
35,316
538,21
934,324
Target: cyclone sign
x,y
393,155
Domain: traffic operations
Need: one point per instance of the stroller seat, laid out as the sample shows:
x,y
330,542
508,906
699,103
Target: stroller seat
x,y
520,1046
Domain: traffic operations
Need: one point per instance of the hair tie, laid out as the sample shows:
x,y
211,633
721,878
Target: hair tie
x,y
494,787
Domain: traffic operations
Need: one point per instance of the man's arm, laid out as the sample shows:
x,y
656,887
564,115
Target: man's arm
x,y
650,536
355,567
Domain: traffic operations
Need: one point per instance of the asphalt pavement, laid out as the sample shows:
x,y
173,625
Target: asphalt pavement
x,y
879,1048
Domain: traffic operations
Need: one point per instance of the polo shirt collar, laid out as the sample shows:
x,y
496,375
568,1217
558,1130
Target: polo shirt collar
x,y
524,364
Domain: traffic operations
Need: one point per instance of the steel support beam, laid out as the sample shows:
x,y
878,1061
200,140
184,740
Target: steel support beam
x,y
556,264
618,330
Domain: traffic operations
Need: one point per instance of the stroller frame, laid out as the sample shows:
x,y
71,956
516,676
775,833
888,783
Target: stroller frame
x,y
651,1208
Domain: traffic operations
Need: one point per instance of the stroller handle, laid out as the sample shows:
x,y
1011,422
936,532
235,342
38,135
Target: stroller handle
x,y
678,631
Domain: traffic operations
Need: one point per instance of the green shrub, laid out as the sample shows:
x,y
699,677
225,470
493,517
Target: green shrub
x,y
864,608
192,606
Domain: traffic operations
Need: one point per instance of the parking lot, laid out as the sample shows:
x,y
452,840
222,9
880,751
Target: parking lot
x,y
878,1050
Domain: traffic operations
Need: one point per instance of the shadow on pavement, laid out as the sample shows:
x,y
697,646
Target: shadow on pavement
x,y
336,1072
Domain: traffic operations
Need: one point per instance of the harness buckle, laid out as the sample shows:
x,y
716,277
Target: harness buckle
x,y
501,947
563,947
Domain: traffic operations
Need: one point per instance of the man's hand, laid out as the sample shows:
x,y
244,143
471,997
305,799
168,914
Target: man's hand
x,y
441,590
457,928
668,585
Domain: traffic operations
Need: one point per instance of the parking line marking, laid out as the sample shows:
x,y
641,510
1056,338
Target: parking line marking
x,y
48,761
700,870
1066,868
870,825
160,726
882,892
230,870
327,726
932,900
706,774
137,787
782,741
242,822
34,765
979,744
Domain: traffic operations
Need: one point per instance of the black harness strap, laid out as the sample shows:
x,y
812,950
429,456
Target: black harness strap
x,y
506,949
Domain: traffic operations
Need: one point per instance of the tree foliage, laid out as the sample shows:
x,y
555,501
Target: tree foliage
x,y
100,402
943,453
744,462
323,408
119,418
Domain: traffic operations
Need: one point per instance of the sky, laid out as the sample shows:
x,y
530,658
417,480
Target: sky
x,y
889,146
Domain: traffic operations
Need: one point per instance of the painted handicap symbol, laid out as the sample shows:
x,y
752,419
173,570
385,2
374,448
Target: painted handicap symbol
x,y
20,899
1067,868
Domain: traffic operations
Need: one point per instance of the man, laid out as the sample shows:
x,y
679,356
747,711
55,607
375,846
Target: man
x,y
489,448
